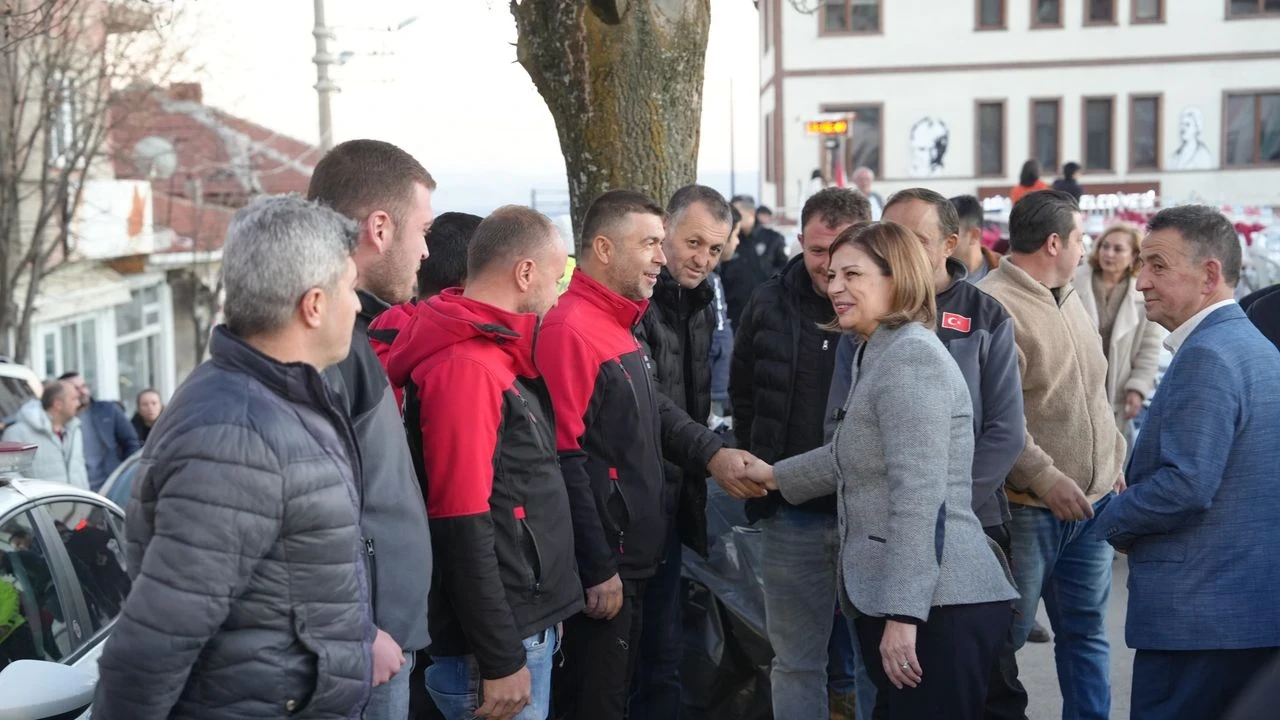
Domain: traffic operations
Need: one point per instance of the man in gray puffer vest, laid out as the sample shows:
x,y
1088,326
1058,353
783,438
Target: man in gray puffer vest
x,y
250,596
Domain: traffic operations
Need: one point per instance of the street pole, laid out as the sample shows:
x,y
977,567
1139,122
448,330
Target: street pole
x,y
733,187
324,86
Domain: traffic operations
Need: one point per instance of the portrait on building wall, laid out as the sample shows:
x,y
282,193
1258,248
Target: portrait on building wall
x,y
929,140
1192,153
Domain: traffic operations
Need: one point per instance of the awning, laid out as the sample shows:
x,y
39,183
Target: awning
x,y
76,288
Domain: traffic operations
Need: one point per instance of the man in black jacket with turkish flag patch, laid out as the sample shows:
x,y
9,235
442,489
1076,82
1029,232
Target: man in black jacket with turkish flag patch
x,y
480,421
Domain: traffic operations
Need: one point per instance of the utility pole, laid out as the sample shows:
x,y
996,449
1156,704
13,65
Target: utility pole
x,y
324,86
733,186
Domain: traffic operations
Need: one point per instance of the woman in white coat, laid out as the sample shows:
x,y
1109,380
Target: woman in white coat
x,y
1107,288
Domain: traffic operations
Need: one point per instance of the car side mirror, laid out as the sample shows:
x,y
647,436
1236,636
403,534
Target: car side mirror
x,y
37,690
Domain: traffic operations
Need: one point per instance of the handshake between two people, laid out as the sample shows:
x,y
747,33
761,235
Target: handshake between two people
x,y
741,474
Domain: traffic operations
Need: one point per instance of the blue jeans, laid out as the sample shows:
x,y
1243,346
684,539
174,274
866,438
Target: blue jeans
x,y
800,552
1067,564
390,701
845,669
454,682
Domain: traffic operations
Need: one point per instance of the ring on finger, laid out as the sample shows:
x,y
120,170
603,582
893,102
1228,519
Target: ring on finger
x,y
904,665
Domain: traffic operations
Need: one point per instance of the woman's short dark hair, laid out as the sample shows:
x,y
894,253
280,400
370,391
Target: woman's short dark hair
x,y
1030,173
900,256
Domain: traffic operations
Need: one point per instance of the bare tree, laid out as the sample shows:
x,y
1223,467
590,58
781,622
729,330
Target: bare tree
x,y
623,81
55,91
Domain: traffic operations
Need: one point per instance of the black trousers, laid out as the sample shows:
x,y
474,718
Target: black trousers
x,y
1193,683
594,679
956,650
1006,697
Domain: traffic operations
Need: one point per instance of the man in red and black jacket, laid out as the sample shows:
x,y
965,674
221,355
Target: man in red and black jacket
x,y
480,421
613,429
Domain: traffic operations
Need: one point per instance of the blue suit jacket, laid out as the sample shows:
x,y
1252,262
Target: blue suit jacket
x,y
1201,517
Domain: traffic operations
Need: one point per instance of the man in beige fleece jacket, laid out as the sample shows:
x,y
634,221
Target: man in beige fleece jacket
x,y
1074,453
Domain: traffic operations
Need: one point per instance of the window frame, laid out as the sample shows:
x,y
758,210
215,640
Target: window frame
x,y
848,19
1262,14
1255,161
770,171
853,107
766,26
1134,19
1031,153
1035,17
1090,168
70,594
977,17
1113,20
1004,137
1134,99
66,573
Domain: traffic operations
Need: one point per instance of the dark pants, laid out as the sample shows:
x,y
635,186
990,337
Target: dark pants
x,y
956,648
1006,697
1192,683
655,694
599,659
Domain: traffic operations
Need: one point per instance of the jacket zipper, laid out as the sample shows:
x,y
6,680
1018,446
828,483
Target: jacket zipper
x,y
623,510
533,555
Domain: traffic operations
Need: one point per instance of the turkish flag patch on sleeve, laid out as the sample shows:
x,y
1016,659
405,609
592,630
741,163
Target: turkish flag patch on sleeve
x,y
952,321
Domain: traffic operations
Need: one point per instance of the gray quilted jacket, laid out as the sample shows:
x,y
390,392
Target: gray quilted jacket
x,y
900,465
249,599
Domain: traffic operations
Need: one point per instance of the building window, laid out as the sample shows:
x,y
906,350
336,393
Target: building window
x,y
1100,12
72,345
1144,132
770,173
138,347
991,15
1252,129
862,147
991,139
1252,8
1099,133
1046,127
1046,13
845,17
1147,11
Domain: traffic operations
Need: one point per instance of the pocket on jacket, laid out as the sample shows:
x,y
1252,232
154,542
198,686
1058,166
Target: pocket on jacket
x,y
1167,551
294,700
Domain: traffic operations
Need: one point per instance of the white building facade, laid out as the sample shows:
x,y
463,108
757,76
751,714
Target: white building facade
x,y
1176,99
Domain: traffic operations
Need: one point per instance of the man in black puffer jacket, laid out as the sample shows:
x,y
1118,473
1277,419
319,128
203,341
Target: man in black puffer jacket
x,y
778,382
676,333
250,597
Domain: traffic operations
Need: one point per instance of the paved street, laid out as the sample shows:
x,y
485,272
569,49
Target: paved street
x,y
1039,674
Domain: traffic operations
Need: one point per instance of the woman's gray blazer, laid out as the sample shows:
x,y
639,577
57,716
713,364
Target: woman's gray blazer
x,y
900,465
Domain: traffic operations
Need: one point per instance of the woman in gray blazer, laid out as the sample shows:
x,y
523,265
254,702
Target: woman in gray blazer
x,y
930,593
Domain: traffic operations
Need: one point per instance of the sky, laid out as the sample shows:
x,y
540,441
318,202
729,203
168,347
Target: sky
x,y
446,87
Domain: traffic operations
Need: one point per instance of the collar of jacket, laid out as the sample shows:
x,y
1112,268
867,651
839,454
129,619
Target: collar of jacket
x,y
626,312
371,306
296,381
796,282
957,272
1021,279
451,317
672,295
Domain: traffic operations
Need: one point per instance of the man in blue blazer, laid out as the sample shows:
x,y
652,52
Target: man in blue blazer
x,y
1201,517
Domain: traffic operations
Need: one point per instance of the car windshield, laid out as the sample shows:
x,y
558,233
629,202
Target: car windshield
x,y
121,485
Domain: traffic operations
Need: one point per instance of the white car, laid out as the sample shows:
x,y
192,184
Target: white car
x,y
63,582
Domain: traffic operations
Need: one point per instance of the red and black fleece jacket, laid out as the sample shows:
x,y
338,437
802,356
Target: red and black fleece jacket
x,y
613,427
480,423
382,335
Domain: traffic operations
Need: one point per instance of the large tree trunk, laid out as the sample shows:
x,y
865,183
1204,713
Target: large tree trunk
x,y
623,80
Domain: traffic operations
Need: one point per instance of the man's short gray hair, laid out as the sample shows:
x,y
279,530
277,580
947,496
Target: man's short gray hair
x,y
1209,233
278,248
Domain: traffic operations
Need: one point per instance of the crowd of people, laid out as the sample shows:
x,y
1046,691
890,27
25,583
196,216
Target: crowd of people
x,y
410,448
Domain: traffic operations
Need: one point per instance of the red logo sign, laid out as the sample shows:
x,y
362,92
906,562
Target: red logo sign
x,y
951,321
